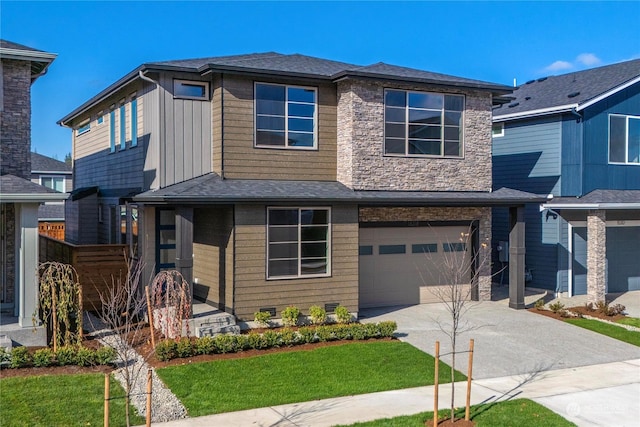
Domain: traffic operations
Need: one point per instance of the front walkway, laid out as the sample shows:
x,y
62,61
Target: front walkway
x,y
575,393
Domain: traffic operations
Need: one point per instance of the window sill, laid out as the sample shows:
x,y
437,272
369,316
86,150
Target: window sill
x,y
274,147
311,276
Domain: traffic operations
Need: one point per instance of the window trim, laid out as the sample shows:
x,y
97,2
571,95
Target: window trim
x,y
84,127
205,85
64,181
286,118
626,139
133,114
497,135
112,130
123,126
442,126
299,225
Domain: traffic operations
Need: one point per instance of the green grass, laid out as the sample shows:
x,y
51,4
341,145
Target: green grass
x,y
519,412
297,376
607,329
60,400
631,321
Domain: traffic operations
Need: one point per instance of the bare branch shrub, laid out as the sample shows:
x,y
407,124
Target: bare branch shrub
x,y
60,303
171,303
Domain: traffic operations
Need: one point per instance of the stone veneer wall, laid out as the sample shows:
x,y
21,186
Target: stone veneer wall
x,y
596,255
362,165
15,119
10,252
481,214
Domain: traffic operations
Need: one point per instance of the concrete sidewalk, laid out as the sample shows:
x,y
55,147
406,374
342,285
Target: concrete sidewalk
x,y
597,395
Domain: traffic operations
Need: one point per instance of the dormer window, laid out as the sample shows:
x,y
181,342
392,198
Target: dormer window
x,y
285,116
423,124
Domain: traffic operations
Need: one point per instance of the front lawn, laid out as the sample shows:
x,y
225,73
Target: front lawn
x,y
297,376
609,330
519,412
60,400
631,321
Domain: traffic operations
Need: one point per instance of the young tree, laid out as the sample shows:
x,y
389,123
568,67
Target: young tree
x,y
459,269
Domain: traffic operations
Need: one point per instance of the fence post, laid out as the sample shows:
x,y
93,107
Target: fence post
x,y
149,390
435,388
468,406
106,400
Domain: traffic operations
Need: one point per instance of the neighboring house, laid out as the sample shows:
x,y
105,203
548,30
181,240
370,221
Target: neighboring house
x,y
57,175
271,180
19,197
576,136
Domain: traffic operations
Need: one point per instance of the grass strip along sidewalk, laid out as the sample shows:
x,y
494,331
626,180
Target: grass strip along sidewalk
x,y
298,376
60,400
607,329
519,412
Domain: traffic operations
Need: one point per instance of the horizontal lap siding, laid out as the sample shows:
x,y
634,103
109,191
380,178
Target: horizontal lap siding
x,y
253,291
243,161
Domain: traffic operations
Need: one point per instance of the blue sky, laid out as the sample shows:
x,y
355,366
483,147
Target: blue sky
x,y
99,42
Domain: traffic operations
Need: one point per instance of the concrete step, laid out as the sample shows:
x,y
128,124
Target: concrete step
x,y
211,323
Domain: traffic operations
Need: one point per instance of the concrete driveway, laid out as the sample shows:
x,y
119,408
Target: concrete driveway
x,y
507,341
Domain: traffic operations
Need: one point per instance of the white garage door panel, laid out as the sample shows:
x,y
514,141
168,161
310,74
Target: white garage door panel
x,y
406,278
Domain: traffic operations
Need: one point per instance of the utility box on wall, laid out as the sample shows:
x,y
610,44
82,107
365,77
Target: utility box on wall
x,y
503,251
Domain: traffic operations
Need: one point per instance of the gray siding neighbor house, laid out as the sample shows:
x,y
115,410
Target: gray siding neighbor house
x,y
54,174
271,180
20,198
576,137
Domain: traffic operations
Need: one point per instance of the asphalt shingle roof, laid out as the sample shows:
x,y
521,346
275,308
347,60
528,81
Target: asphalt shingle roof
x,y
600,197
11,184
571,88
42,163
6,44
51,211
210,188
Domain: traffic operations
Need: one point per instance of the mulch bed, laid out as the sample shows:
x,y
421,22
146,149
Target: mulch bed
x,y
143,346
577,310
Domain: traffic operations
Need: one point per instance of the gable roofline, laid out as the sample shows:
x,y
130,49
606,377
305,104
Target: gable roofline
x,y
607,94
40,60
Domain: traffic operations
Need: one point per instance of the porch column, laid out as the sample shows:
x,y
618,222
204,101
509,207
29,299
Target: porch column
x,y
596,255
26,282
184,244
516,257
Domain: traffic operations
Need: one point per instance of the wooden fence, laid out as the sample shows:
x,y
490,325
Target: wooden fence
x,y
98,266
52,229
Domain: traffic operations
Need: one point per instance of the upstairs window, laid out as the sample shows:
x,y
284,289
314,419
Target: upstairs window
x,y
285,116
497,130
53,182
423,124
84,128
624,139
188,89
298,242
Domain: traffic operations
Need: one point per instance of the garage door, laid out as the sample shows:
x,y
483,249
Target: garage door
x,y
403,265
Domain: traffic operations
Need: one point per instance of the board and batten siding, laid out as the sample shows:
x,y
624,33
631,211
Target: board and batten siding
x,y
185,144
241,160
598,173
251,289
213,256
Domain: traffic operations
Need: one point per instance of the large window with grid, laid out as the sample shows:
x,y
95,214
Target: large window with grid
x,y
423,124
285,116
298,242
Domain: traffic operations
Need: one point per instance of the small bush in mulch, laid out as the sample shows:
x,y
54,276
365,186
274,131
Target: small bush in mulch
x,y
77,355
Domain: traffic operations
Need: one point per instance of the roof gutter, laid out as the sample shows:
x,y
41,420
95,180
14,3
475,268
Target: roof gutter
x,y
586,206
536,113
33,197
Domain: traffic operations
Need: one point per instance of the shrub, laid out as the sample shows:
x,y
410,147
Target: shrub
x,y
242,342
256,341
166,350
225,343
43,357
262,318
5,357
66,355
564,313
325,333
318,315
342,332
387,328
616,309
105,355
271,339
20,357
342,314
589,306
556,306
85,356
289,337
184,347
307,334
359,332
539,305
290,316
205,345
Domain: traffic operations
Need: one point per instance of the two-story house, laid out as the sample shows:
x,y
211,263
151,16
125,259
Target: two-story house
x,y
20,198
271,180
57,175
576,137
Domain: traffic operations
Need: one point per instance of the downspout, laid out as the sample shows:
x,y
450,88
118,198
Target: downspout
x,y
146,79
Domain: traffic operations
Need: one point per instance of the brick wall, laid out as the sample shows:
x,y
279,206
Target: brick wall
x,y
15,118
362,165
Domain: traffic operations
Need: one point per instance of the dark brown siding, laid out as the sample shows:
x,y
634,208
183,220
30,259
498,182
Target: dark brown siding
x,y
253,291
243,161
